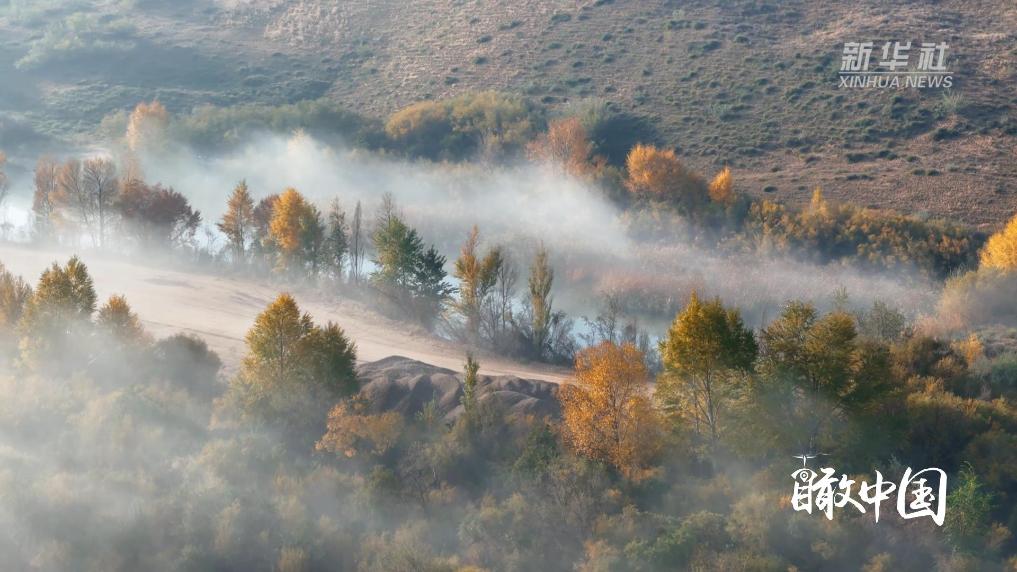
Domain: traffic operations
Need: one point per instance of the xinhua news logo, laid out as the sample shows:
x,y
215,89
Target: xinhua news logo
x,y
895,65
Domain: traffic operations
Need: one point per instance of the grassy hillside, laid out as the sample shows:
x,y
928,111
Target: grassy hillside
x,y
748,84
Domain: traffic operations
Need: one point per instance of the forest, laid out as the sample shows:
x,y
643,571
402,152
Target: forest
x,y
669,448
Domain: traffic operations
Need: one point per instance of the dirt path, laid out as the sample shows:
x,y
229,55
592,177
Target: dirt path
x,y
221,309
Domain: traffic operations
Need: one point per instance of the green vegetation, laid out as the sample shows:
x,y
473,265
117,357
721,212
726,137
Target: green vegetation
x,y
409,276
865,237
712,80
215,129
80,35
461,127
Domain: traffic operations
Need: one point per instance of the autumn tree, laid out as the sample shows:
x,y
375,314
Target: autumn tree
x,y
146,131
721,188
469,399
421,128
263,213
353,430
297,231
706,342
823,370
1000,252
57,315
540,301
123,332
116,318
606,413
285,226
457,127
659,174
65,291
146,124
237,223
274,343
45,218
15,294
156,216
566,145
294,371
477,275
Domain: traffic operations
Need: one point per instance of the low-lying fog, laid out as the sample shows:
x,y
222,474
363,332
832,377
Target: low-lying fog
x,y
519,206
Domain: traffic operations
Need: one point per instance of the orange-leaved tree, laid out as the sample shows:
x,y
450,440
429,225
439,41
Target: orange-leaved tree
x,y
607,412
352,429
567,146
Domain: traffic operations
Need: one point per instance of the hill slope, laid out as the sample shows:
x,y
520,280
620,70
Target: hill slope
x,y
750,84
221,309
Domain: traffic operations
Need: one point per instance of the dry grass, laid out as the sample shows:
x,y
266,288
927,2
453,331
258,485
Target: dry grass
x,y
746,84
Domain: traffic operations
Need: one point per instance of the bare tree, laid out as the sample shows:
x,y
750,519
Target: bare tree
x,y
89,191
43,199
101,188
211,239
3,178
387,210
72,196
499,307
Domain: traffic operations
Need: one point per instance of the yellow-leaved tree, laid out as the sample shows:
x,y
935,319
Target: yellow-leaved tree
x,y
1000,252
705,346
57,316
117,319
146,132
294,370
659,173
477,276
352,429
237,223
722,188
607,413
297,231
146,125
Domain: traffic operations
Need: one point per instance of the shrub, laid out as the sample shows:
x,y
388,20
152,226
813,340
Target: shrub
x,y
457,128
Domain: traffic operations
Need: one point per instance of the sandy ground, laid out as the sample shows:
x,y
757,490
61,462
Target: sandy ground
x,y
221,309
